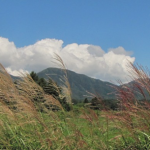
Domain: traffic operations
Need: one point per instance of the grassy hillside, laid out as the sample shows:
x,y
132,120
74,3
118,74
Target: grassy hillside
x,y
80,84
14,77
27,121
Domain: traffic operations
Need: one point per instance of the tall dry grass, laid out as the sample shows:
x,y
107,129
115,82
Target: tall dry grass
x,y
21,105
133,116
66,85
27,122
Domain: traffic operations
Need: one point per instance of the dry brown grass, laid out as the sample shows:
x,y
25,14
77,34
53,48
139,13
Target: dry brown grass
x,y
25,96
66,88
20,107
22,124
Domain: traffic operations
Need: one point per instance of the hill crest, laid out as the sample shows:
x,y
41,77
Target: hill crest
x,y
80,83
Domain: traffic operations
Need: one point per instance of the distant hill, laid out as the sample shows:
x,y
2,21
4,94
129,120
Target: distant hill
x,y
80,83
134,85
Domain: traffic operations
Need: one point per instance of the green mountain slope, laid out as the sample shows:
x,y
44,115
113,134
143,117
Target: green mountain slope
x,y
80,84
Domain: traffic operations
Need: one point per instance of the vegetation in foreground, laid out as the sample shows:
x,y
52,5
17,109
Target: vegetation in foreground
x,y
28,122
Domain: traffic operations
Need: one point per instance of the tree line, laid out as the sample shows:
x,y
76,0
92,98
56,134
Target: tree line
x,y
51,88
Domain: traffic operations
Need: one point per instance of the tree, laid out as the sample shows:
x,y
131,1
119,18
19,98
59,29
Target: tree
x,y
64,104
42,82
34,76
52,89
96,103
85,100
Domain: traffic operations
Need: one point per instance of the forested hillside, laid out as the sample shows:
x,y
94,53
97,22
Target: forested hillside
x,y
80,84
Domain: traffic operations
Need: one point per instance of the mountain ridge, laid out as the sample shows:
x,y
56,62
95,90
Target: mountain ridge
x,y
80,83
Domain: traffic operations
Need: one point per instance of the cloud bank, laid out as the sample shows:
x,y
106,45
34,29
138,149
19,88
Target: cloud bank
x,y
84,58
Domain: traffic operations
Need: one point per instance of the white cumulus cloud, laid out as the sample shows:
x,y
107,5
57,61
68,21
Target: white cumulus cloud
x,y
120,50
84,58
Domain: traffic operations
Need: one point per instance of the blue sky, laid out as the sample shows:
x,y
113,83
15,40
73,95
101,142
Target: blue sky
x,y
107,23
